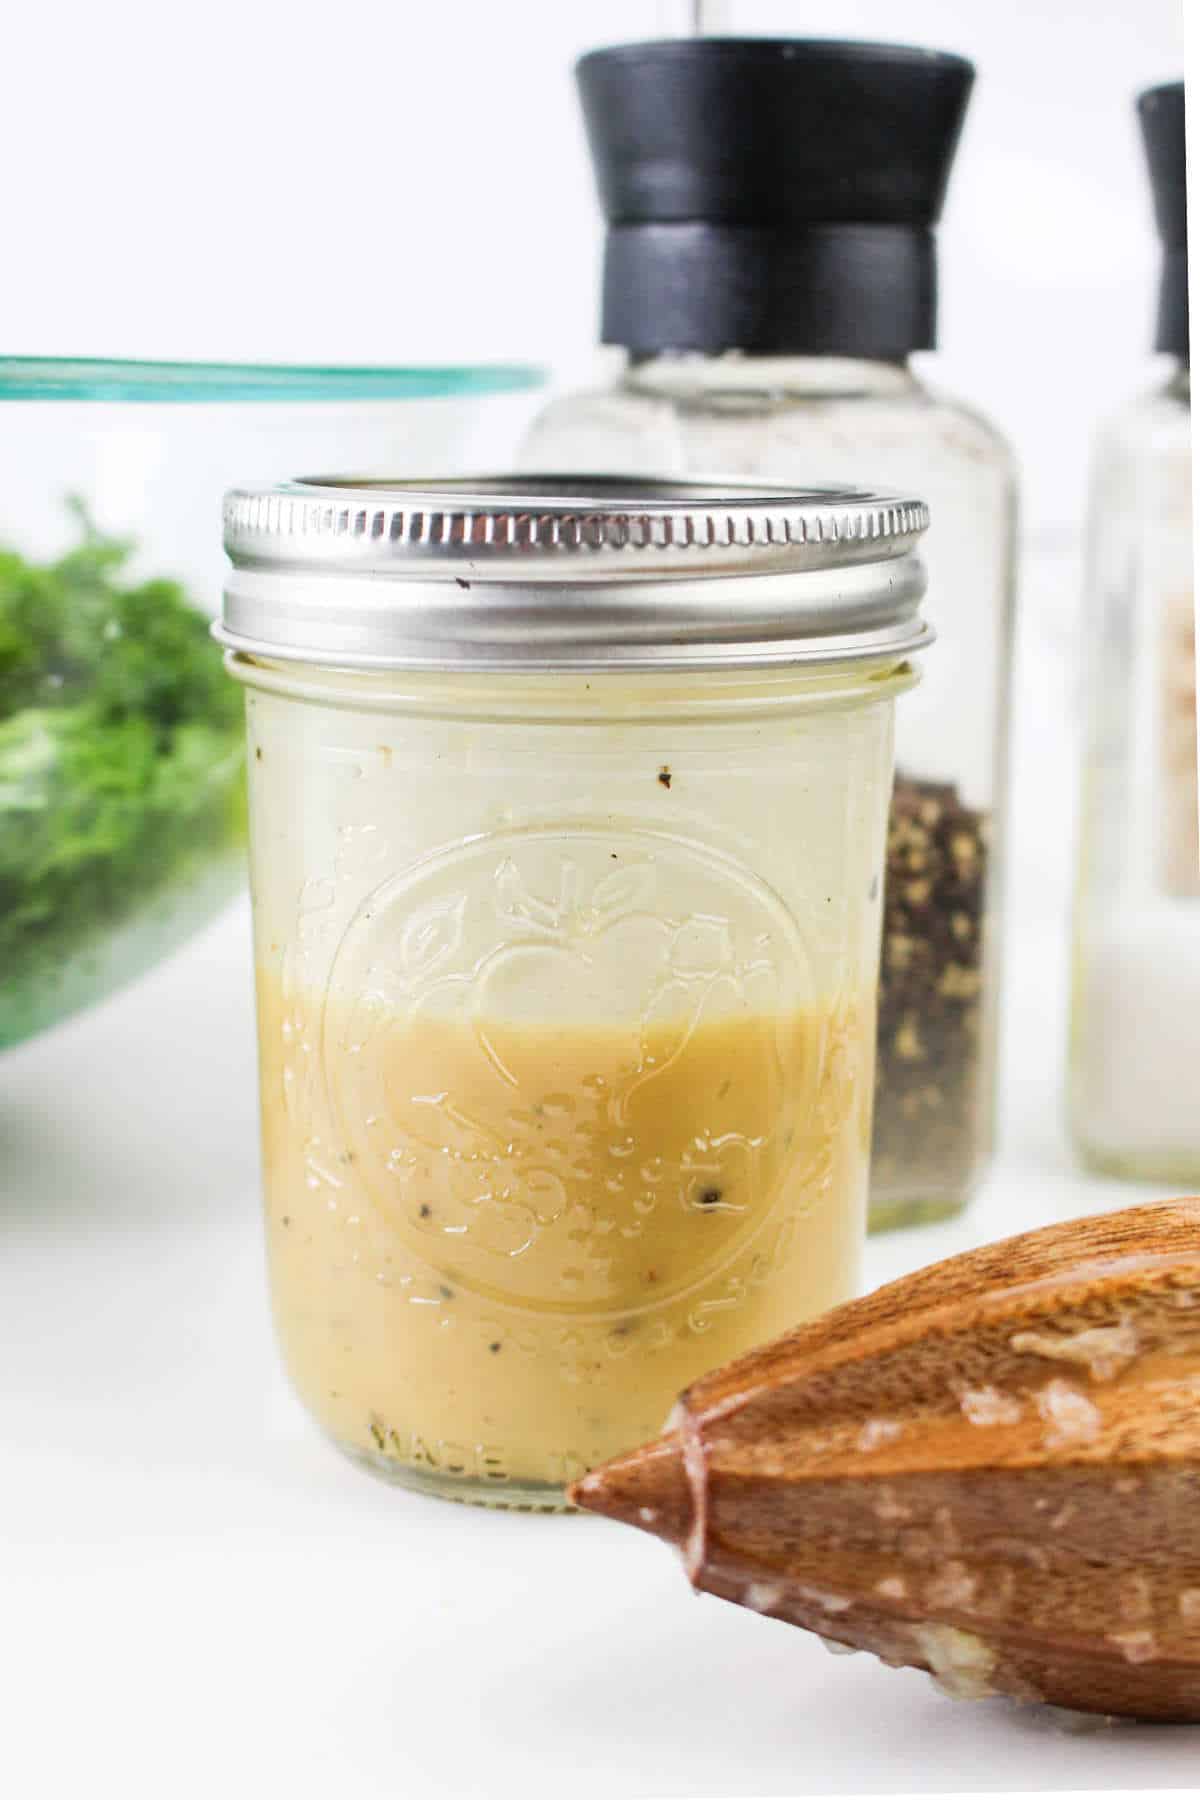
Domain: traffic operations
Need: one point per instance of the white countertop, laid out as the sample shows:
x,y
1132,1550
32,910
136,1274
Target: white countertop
x,y
198,1597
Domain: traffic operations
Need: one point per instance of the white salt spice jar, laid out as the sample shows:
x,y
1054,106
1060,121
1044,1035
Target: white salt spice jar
x,y
1134,1085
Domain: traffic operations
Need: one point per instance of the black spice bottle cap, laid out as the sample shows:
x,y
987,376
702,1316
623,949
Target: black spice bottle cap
x,y
772,195
1161,110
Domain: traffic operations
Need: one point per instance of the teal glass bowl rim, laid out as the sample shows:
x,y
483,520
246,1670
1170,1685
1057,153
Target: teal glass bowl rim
x,y
180,383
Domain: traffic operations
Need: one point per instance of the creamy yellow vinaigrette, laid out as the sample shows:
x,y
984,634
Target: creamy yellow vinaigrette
x,y
567,835
500,1246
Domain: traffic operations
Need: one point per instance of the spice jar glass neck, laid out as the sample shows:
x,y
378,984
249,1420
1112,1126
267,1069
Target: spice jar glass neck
x,y
677,374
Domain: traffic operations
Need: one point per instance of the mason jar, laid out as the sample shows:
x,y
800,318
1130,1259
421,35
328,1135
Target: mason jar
x,y
568,805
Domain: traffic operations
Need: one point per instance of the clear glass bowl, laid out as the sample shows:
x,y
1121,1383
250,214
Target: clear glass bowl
x,y
121,779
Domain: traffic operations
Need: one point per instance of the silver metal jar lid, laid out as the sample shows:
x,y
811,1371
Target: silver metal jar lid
x,y
531,572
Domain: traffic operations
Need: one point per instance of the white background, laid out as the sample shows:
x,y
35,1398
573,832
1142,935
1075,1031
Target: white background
x,y
196,1596
387,180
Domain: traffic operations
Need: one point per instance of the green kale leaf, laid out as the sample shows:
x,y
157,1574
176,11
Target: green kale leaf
x,y
120,751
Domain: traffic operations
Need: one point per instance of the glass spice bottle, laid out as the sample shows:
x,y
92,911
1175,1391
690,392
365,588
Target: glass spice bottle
x,y
1135,1009
770,268
567,808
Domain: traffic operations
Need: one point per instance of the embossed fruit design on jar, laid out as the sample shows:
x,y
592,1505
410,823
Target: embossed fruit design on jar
x,y
567,820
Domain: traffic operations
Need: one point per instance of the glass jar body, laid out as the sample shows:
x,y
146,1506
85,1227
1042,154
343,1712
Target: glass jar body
x,y
566,1002
1135,1011
799,419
